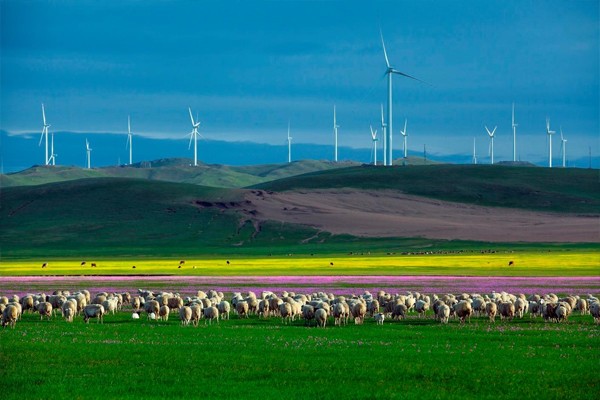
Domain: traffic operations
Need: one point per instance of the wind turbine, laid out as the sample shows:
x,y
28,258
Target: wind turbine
x,y
53,155
491,134
129,140
45,133
383,132
389,72
194,135
335,134
289,140
404,135
88,152
374,139
474,153
514,126
549,133
563,148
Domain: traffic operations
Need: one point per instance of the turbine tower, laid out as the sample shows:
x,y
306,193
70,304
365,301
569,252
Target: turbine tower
x,y
474,153
45,133
383,133
389,72
563,148
289,140
194,135
129,140
335,135
374,139
549,133
491,134
404,135
514,127
88,152
52,154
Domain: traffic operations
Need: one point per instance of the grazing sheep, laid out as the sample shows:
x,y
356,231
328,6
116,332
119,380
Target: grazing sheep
x,y
185,315
399,311
421,307
152,307
136,303
463,310
491,309
379,317
196,313
595,311
285,310
163,313
506,310
478,305
358,312
373,307
45,310
93,311
308,313
321,317
520,307
27,303
69,309
263,308
224,308
175,302
443,313
549,312
339,314
10,316
562,311
241,308
211,313
110,305
582,306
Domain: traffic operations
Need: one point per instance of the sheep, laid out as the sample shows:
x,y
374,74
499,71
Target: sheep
x,y
491,309
520,307
93,311
399,311
285,310
224,308
582,306
463,310
379,317
211,313
45,310
241,308
506,310
263,308
163,313
421,307
338,314
478,305
151,307
321,317
196,313
549,311
358,312
185,315
308,313
10,316
175,302
443,313
110,305
595,311
562,311
69,309
136,303
27,303
373,307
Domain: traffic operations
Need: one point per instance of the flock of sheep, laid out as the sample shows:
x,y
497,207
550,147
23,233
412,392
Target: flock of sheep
x,y
315,308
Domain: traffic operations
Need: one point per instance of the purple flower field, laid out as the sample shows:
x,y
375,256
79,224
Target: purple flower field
x,y
339,285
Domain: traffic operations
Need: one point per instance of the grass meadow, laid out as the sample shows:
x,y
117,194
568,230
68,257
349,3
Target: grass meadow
x,y
525,263
265,359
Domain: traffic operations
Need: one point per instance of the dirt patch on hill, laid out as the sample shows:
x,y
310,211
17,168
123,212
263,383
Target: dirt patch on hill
x,y
393,214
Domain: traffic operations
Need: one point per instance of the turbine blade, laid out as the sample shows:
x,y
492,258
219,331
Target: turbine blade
x,y
382,118
488,131
408,76
405,122
191,117
494,131
44,113
128,125
387,61
191,137
41,137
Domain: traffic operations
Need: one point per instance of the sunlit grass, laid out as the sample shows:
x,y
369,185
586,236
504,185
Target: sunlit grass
x,y
555,263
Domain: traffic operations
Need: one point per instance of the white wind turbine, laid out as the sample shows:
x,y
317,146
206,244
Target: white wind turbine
x,y
88,152
289,140
374,139
474,153
384,134
491,134
549,133
563,148
194,135
129,140
404,137
45,133
52,154
335,135
514,126
389,72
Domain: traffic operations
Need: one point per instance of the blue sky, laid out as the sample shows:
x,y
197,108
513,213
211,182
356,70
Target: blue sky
x,y
248,67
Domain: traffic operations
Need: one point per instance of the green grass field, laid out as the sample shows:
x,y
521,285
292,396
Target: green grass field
x,y
555,263
264,359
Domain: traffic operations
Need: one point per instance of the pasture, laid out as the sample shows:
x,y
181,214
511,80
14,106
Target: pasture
x,y
263,358
555,262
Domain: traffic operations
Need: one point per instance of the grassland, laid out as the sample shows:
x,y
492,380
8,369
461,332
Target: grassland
x,y
526,263
265,359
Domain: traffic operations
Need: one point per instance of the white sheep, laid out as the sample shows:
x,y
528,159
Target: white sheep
x,y
10,315
185,315
211,313
163,313
45,310
443,313
595,311
93,311
379,318
358,312
321,317
421,307
69,309
224,308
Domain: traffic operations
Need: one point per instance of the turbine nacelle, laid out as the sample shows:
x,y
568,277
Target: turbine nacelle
x,y
548,131
491,134
373,133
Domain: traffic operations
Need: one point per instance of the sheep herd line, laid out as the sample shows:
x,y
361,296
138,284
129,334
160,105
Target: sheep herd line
x,y
317,308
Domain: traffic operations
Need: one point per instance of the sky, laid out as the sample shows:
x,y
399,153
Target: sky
x,y
247,68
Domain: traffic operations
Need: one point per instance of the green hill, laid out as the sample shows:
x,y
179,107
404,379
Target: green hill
x,y
173,170
569,190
